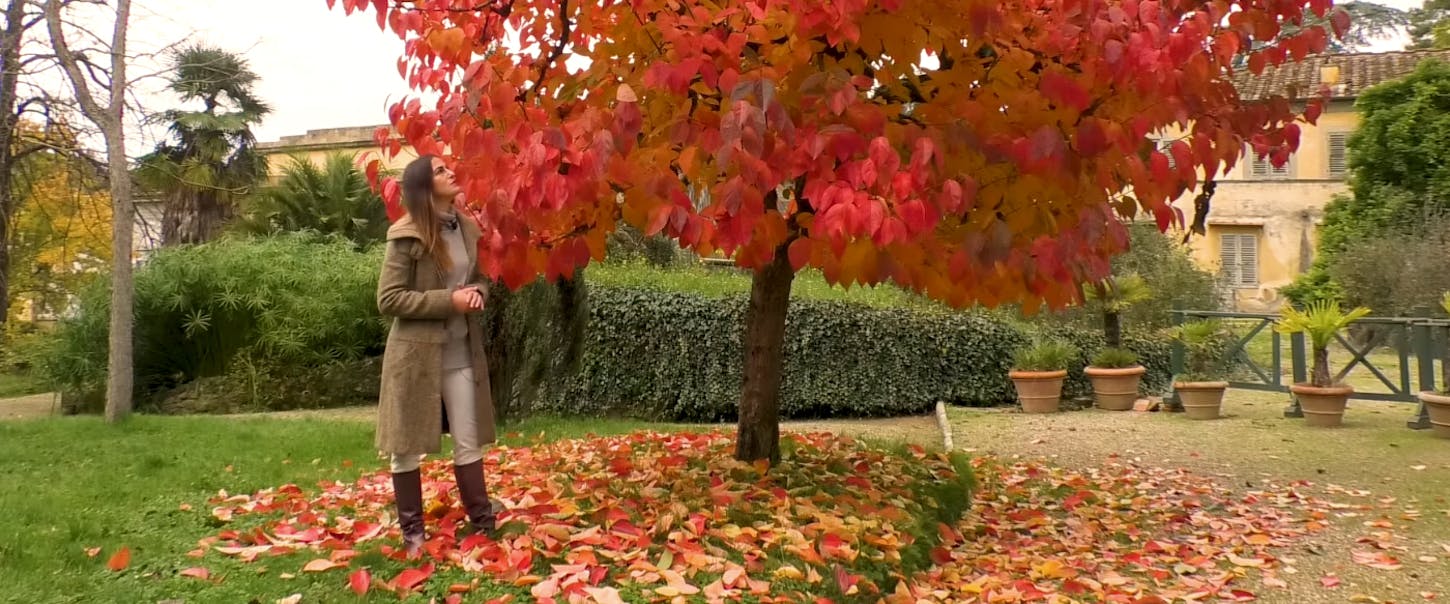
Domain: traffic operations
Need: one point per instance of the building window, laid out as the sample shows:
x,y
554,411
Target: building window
x,y
1338,145
1261,167
1238,255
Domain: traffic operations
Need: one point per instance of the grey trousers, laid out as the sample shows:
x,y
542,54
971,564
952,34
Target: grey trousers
x,y
458,394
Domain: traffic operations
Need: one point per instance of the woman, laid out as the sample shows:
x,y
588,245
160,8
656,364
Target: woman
x,y
434,352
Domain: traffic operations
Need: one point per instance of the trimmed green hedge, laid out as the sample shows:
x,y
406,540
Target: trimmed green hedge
x,y
671,355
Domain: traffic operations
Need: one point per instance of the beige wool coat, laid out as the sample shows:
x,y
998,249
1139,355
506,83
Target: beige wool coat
x,y
411,290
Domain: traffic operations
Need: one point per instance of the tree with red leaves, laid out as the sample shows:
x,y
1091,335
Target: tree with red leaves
x,y
975,151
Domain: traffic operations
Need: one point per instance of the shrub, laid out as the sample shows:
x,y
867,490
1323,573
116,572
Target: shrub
x,y
1115,358
333,198
1401,274
1048,355
296,301
249,387
672,355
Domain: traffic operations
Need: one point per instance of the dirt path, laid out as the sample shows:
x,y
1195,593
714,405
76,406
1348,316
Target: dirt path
x,y
1372,460
28,407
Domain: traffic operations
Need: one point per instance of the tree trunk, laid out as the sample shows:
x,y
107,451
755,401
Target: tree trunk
x,y
1112,329
192,217
121,376
497,350
1321,376
110,118
759,432
10,40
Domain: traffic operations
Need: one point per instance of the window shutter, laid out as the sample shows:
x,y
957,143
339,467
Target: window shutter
x,y
1261,167
1228,258
1248,260
1166,147
1338,154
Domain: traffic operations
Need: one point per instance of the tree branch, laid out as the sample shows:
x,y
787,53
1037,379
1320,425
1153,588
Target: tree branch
x,y
566,28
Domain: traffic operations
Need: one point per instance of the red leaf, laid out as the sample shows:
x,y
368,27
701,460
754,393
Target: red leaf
x,y
120,560
1064,91
1329,581
1257,63
360,581
1340,22
1312,112
800,253
413,577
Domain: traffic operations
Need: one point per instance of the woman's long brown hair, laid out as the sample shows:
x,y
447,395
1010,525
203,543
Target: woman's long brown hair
x,y
418,201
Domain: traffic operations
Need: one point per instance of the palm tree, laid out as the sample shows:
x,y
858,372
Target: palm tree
x,y
210,159
333,198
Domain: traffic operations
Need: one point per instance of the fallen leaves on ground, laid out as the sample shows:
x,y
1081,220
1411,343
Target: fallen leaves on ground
x,y
672,514
675,518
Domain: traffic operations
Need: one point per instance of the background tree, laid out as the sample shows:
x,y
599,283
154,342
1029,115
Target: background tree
x,y
107,111
992,173
211,160
1429,25
61,228
1369,22
1399,165
333,198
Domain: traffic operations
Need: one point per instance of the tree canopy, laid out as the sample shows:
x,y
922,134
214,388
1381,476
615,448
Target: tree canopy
x,y
981,157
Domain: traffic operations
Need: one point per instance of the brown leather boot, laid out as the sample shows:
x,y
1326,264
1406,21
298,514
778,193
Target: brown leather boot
x,y
408,493
473,494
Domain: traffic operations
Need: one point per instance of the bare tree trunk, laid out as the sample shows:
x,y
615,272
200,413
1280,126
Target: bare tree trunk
x,y
1112,329
758,436
110,119
192,217
10,40
1321,377
121,376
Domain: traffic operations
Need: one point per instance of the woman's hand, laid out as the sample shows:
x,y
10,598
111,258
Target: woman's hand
x,y
467,299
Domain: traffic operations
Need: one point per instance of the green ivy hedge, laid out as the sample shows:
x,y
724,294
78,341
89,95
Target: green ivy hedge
x,y
670,355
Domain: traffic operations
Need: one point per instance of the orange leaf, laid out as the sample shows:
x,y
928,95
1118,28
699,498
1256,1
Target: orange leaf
x,y
196,572
120,560
604,595
320,565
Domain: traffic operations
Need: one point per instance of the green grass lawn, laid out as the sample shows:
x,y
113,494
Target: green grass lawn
x,y
75,483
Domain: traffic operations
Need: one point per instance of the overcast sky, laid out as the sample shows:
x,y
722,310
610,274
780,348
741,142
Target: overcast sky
x,y
319,68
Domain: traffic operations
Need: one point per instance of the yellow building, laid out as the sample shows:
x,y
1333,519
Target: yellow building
x,y
1263,221
316,145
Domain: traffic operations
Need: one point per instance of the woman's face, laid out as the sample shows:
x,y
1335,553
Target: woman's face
x,y
443,185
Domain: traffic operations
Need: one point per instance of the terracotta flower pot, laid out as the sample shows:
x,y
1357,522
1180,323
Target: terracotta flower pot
x,y
1438,405
1115,389
1038,391
1201,400
1323,407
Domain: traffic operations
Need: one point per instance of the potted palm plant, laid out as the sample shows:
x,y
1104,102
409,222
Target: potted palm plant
x,y
1322,399
1200,386
1437,404
1037,373
1115,375
1115,372
1113,297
